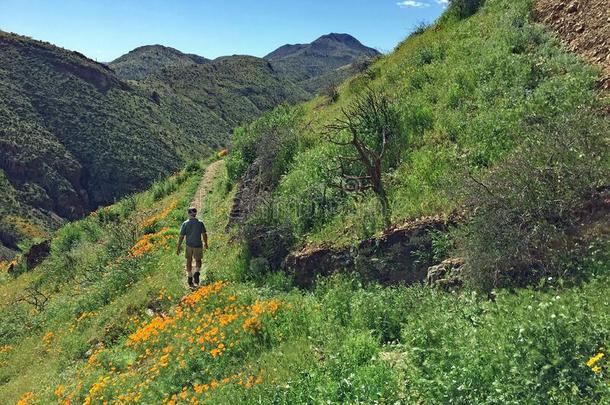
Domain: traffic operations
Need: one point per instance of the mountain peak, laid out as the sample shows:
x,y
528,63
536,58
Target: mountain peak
x,y
145,60
346,39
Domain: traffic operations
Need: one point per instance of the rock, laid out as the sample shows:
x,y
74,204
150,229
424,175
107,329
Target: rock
x,y
579,28
573,7
446,275
37,254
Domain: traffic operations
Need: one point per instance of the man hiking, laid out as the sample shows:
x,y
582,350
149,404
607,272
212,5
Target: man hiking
x,y
194,231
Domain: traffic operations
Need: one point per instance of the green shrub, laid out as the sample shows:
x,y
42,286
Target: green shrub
x,y
529,209
464,8
271,140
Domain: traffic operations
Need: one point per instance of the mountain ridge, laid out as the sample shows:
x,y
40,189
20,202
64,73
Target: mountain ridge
x,y
326,58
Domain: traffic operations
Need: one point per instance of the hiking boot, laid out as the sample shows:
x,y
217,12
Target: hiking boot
x,y
190,281
196,278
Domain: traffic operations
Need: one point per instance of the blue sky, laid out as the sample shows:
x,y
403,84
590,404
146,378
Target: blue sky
x,y
106,29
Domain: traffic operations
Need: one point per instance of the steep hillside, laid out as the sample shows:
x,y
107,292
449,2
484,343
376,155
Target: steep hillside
x,y
493,137
302,62
145,60
76,136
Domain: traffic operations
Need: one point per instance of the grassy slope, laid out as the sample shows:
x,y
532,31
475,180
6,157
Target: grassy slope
x,y
250,338
468,92
89,274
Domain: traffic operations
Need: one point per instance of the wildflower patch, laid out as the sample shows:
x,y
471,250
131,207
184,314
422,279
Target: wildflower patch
x,y
204,336
150,242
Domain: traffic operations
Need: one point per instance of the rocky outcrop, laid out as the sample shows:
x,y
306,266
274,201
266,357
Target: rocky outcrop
x,y
401,255
446,275
37,254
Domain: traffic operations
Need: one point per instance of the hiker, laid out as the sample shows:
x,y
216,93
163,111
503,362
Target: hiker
x,y
194,231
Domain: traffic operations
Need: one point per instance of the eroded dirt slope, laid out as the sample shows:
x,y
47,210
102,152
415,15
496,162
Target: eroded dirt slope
x,y
583,25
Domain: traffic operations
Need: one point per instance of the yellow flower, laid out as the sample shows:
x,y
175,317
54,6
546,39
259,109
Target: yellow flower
x,y
26,398
593,360
59,391
47,337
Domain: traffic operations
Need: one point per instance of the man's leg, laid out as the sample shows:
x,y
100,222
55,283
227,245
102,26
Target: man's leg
x,y
189,265
198,258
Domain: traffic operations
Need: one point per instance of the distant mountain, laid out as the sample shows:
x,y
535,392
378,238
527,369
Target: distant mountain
x,y
73,135
149,59
237,88
301,63
327,60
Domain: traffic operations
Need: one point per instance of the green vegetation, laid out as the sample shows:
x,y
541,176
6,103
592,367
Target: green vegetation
x,y
114,327
147,60
482,98
499,122
67,149
103,271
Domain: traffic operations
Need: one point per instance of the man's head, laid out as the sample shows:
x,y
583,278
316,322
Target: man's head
x,y
192,212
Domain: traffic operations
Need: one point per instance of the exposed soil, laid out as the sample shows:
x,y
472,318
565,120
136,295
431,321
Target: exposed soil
x,y
402,255
583,25
205,183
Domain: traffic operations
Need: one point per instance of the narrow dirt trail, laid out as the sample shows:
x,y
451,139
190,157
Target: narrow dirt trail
x,y
204,185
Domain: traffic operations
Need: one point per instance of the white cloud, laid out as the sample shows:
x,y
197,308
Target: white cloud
x,y
442,1
411,3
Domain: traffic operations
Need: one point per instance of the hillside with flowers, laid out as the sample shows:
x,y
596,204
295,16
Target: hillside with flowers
x,y
494,183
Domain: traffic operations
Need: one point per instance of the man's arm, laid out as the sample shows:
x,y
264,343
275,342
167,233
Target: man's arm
x,y
205,240
179,247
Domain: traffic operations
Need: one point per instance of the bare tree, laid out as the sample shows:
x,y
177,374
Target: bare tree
x,y
366,130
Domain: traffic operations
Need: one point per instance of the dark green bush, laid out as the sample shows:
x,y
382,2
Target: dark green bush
x,y
271,140
528,210
464,8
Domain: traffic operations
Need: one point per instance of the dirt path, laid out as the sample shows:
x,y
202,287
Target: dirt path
x,y
205,183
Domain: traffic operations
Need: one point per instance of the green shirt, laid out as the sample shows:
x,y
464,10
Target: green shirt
x,y
192,229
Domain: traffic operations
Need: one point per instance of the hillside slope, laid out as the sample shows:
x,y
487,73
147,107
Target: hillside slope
x,y
132,332
76,136
235,88
584,26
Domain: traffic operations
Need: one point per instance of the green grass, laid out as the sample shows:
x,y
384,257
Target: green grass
x,y
469,92
342,342
89,275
